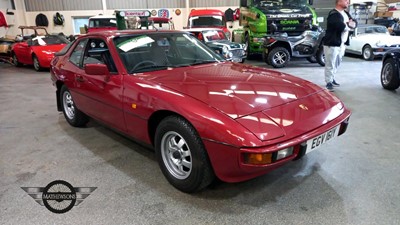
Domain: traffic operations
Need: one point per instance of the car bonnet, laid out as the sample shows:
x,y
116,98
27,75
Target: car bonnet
x,y
235,89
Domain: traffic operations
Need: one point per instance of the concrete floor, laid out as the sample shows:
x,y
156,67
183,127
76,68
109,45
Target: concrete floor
x,y
351,180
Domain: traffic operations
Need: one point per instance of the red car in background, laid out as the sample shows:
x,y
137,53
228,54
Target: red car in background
x,y
208,18
204,116
36,47
105,23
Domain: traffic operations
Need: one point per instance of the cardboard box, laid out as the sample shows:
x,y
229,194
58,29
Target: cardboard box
x,y
391,1
4,48
383,14
82,30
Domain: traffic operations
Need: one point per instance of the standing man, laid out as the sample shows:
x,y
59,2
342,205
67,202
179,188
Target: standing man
x,y
339,22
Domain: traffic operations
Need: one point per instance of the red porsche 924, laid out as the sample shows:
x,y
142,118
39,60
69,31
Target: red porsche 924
x,y
204,117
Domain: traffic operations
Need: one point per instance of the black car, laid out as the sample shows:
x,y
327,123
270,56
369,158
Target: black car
x,y
390,75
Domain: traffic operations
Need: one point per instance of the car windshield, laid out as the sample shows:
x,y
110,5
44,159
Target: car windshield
x,y
49,40
102,22
372,30
279,3
158,51
212,35
206,21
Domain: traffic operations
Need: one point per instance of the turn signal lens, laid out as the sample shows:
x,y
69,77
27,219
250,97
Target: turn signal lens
x,y
258,158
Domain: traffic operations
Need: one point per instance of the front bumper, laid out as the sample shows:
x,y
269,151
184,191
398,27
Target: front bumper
x,y
380,51
229,162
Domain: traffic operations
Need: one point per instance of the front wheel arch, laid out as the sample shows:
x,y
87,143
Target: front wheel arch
x,y
182,156
390,78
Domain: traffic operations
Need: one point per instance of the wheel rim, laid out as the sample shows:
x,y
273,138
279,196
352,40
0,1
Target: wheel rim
x,y
36,63
279,58
69,107
387,74
15,59
247,45
176,155
367,53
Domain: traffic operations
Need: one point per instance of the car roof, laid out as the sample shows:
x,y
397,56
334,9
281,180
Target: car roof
x,y
103,16
201,29
112,33
159,19
369,25
206,12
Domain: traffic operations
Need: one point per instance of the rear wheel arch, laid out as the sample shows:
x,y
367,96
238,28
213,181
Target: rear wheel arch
x,y
367,52
59,85
36,65
15,59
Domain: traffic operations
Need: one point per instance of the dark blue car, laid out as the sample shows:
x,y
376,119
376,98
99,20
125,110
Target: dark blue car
x,y
390,75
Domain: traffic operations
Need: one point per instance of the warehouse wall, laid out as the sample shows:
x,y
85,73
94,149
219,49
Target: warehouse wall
x,y
78,8
26,10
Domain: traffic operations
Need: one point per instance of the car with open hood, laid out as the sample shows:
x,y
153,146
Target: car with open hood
x,y
205,117
217,40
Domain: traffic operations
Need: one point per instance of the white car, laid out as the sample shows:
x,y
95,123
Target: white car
x,y
370,40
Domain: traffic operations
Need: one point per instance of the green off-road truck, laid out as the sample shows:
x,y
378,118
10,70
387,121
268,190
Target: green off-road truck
x,y
261,18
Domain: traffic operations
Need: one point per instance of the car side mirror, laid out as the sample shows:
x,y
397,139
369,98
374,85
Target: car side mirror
x,y
96,69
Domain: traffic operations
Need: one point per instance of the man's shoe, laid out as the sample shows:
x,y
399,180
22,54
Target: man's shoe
x,y
335,83
329,86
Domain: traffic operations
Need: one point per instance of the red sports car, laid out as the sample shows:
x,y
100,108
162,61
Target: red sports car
x,y
36,47
203,116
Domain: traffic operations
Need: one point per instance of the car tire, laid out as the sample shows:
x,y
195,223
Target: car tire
x,y
72,114
278,57
36,63
15,60
247,47
367,53
182,156
265,56
311,59
390,75
320,56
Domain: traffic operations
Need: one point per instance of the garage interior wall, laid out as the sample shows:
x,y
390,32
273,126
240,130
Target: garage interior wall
x,y
26,11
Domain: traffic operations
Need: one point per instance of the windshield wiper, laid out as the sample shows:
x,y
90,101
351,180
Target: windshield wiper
x,y
198,62
148,68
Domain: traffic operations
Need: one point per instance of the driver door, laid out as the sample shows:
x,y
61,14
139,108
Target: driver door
x,y
101,95
23,52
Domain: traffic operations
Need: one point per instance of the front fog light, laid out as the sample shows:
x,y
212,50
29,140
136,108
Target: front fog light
x,y
284,153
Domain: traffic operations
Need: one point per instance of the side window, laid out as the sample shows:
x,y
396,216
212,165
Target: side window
x,y
77,54
97,52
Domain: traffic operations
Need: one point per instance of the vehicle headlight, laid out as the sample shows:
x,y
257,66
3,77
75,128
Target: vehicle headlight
x,y
259,40
380,44
228,35
225,49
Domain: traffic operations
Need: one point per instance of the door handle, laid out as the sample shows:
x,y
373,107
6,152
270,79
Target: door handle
x,y
79,78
